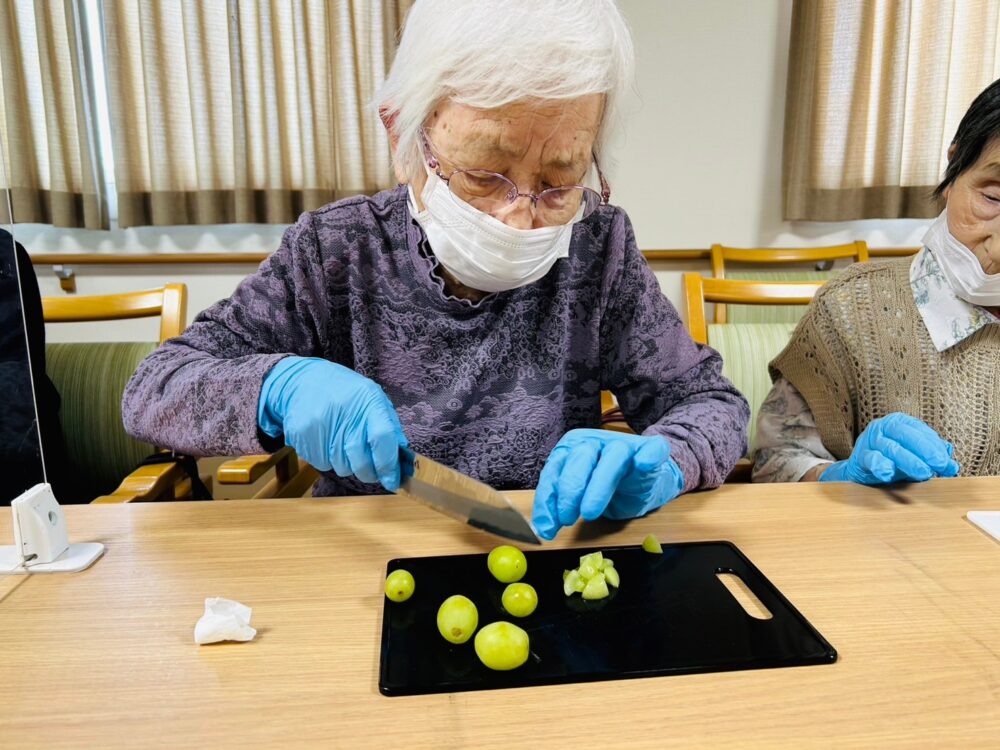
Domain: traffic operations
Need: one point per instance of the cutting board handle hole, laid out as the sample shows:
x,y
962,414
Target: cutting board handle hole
x,y
743,595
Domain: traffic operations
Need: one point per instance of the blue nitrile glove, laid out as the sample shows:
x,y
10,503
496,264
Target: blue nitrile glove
x,y
334,418
895,448
591,473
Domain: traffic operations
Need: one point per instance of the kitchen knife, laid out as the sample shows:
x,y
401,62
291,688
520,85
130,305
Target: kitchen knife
x,y
463,498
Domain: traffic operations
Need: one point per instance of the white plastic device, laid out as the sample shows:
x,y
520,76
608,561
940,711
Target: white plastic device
x,y
41,544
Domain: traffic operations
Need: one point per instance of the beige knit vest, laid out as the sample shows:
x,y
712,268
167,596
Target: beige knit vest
x,y
862,351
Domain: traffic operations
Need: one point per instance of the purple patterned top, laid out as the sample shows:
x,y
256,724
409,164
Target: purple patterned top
x,y
487,388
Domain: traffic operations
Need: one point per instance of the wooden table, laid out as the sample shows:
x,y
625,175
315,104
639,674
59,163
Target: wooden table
x,y
900,583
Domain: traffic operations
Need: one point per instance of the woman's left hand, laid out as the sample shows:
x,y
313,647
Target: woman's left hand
x,y
895,448
591,473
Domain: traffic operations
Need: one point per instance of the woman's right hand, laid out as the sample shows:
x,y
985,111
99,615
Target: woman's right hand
x,y
895,448
334,418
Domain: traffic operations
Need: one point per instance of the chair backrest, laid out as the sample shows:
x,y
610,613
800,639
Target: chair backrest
x,y
91,377
772,256
734,313
746,350
699,290
168,302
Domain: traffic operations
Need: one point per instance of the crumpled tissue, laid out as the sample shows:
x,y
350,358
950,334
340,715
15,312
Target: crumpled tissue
x,y
224,620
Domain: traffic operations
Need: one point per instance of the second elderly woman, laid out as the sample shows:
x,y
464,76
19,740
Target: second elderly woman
x,y
894,372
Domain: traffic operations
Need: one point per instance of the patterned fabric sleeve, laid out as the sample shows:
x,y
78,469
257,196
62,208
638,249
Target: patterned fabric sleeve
x,y
198,393
788,442
665,383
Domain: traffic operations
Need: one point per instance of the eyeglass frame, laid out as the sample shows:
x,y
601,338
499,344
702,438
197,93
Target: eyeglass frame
x,y
512,195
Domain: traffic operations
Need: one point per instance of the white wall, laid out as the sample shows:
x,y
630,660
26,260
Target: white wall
x,y
699,160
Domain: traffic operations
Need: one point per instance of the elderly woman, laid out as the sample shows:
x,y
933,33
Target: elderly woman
x,y
895,368
476,312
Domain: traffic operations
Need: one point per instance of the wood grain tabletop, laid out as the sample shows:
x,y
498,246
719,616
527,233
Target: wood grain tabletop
x,y
902,585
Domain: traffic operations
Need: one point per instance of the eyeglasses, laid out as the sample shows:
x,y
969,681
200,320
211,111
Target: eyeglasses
x,y
491,192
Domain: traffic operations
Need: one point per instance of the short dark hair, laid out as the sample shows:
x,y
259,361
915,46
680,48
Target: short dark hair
x,y
978,128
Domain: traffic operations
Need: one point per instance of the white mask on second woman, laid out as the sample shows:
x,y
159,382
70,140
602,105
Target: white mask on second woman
x,y
961,267
480,251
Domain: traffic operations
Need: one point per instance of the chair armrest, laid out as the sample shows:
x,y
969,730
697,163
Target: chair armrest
x,y
292,478
608,403
248,469
296,486
612,417
152,482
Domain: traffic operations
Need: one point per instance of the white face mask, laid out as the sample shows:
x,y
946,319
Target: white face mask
x,y
481,251
962,269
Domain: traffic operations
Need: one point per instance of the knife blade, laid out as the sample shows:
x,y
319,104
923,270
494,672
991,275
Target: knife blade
x,y
463,498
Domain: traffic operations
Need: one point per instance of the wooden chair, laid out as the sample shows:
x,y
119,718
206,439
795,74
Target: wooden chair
x,y
771,257
91,377
158,481
746,348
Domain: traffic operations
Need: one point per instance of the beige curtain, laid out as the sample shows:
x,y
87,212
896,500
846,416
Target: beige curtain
x,y
876,89
51,170
245,110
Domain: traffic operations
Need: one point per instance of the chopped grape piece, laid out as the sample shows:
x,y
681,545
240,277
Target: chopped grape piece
x,y
597,588
651,545
570,582
611,576
592,578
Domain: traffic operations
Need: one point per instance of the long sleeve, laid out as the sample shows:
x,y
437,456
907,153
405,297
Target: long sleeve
x,y
788,441
198,393
665,383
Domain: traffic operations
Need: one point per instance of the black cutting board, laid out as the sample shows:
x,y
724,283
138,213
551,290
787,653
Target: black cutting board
x,y
672,615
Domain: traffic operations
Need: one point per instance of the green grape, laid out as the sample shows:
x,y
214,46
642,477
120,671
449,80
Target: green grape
x,y
588,570
594,558
608,563
502,646
457,619
399,585
520,599
650,544
507,564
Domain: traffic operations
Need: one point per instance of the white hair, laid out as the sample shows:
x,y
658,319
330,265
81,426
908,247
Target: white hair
x,y
490,53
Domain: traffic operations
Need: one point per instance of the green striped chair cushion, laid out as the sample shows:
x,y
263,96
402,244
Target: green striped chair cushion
x,y
746,350
772,313
90,379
